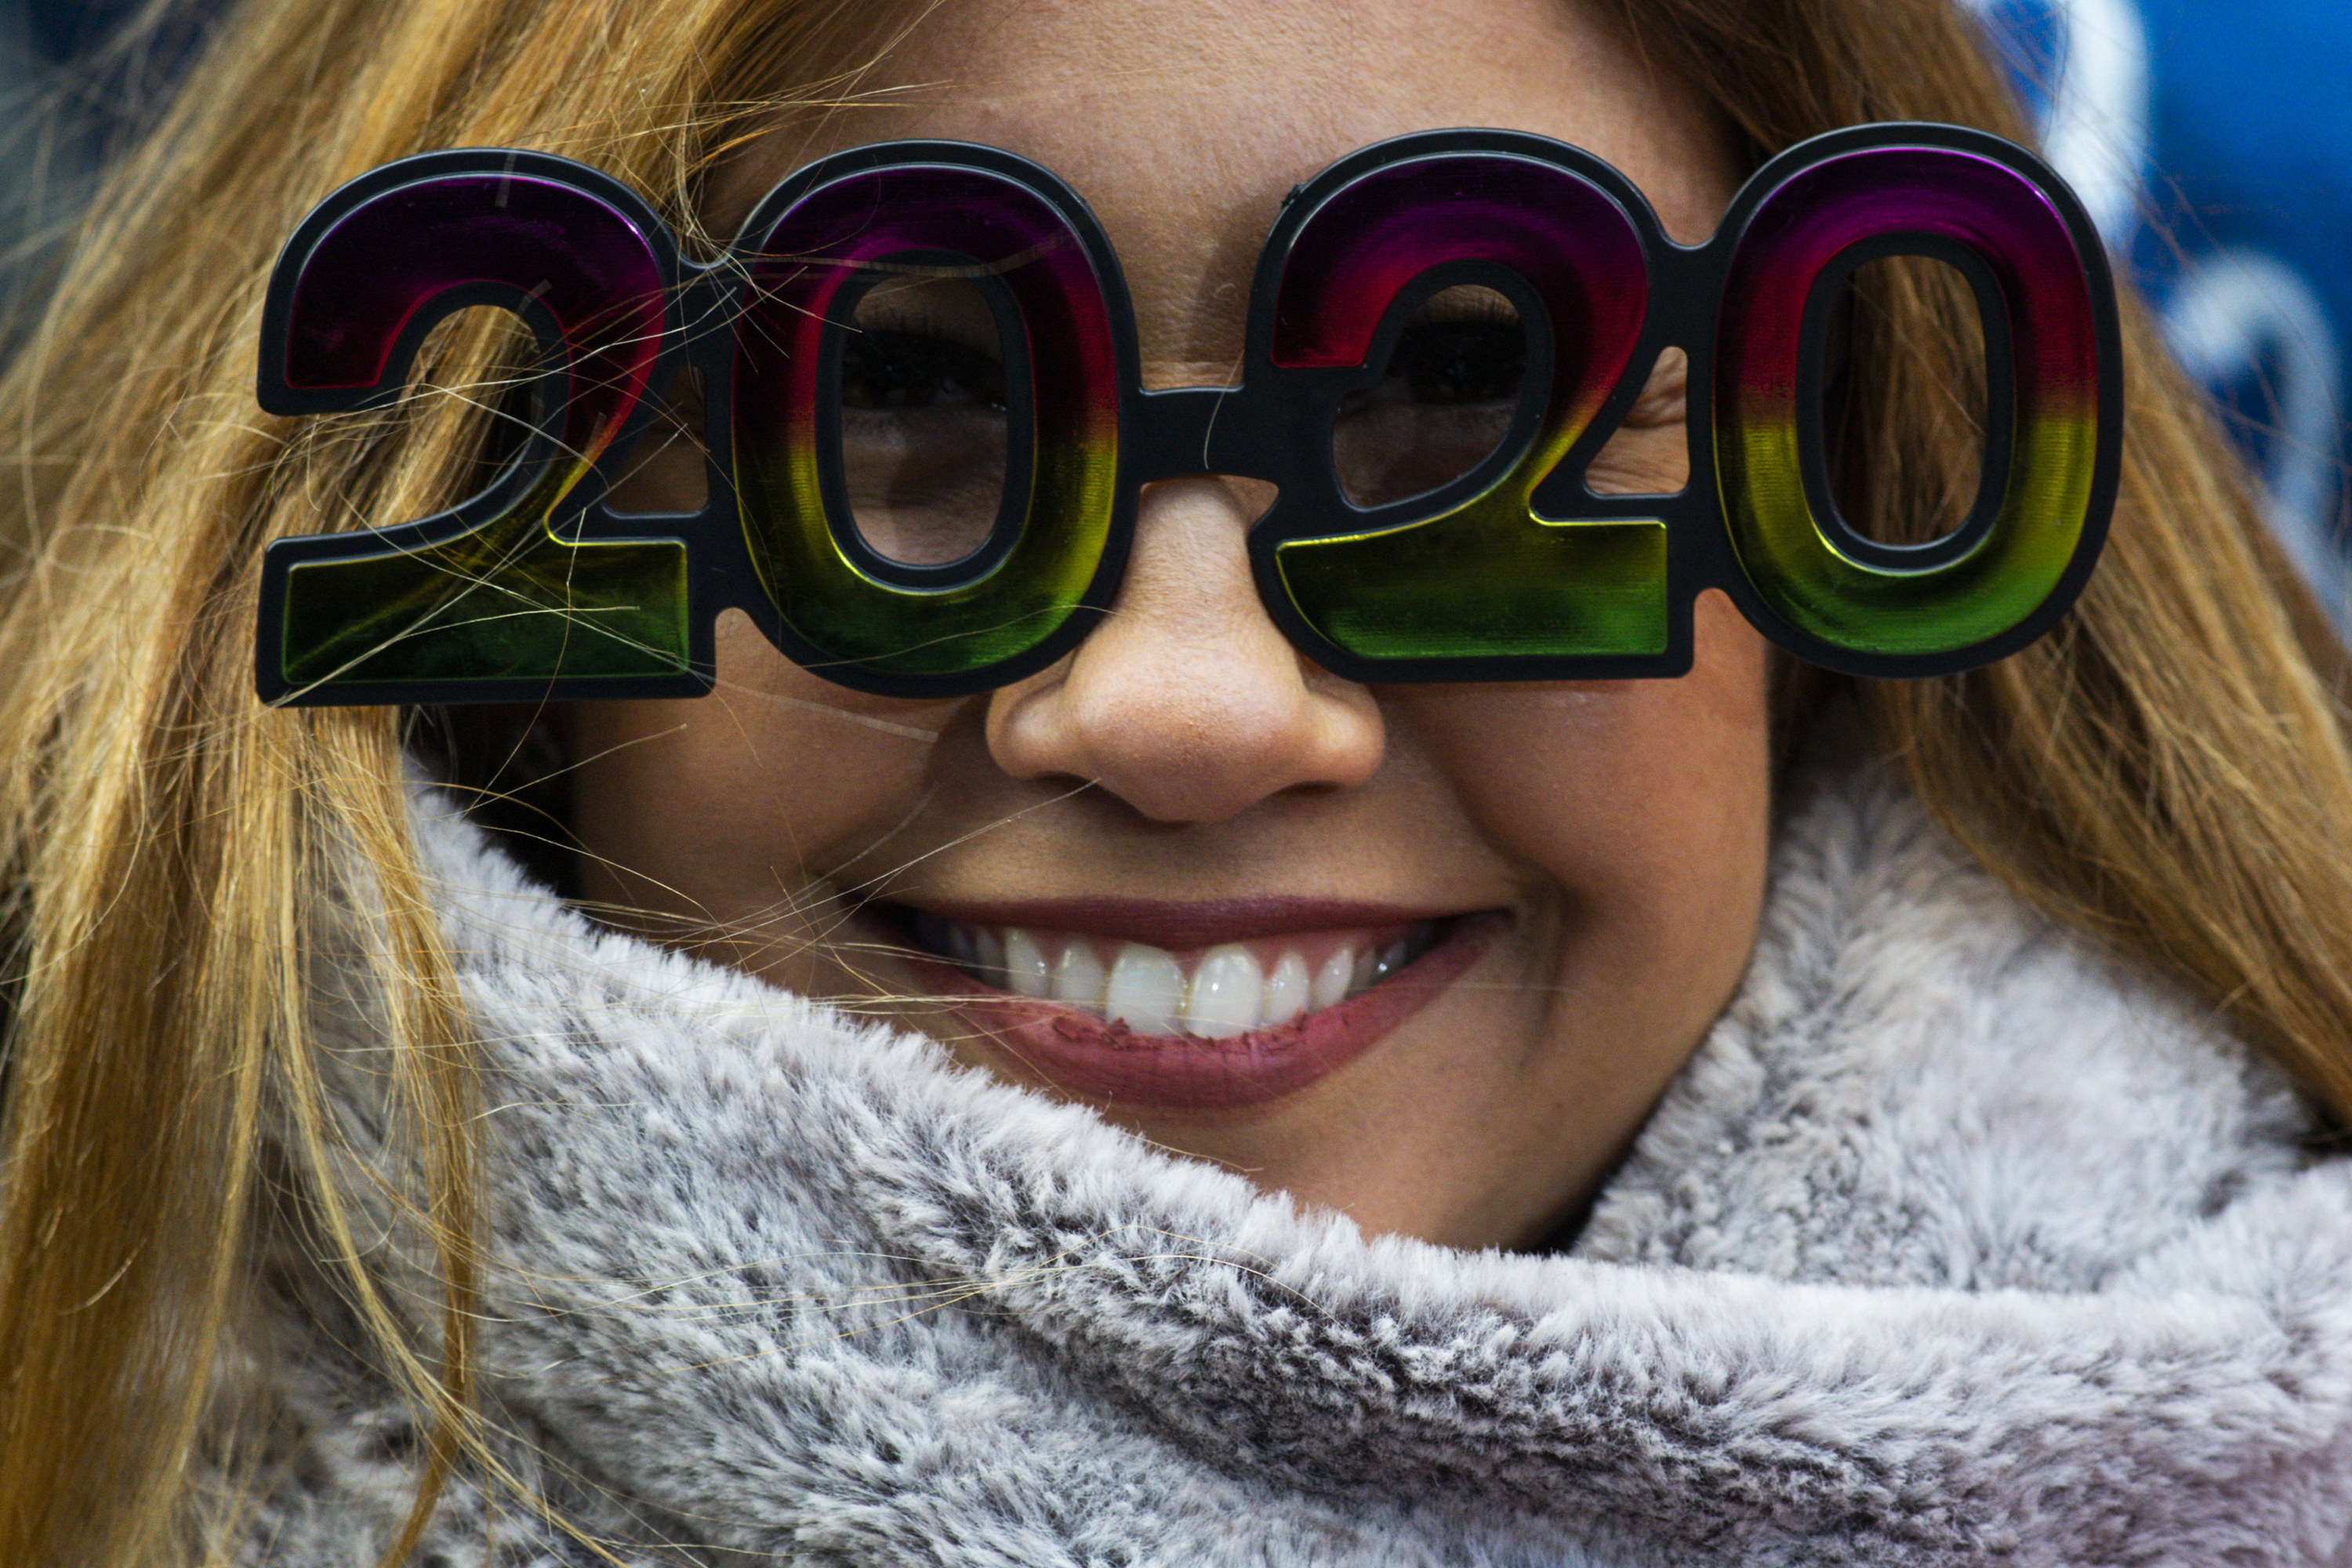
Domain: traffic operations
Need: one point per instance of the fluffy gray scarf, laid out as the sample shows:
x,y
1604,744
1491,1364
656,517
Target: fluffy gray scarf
x,y
1953,1244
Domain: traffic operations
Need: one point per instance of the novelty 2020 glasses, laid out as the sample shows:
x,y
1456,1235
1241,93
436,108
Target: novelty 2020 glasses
x,y
924,433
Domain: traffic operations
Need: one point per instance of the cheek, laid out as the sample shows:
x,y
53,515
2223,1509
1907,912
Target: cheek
x,y
1641,808
722,803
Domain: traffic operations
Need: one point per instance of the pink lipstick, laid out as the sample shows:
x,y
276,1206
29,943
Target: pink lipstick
x,y
1197,1006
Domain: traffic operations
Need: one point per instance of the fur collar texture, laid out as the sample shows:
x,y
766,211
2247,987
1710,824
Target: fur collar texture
x,y
1953,1244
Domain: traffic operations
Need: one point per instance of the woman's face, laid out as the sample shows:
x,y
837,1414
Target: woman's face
x,y
1425,955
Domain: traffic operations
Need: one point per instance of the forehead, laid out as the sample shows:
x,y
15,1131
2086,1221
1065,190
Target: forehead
x,y
1183,122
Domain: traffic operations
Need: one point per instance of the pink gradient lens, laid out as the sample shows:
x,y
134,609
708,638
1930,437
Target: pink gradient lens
x,y
581,260
504,598
1797,561
1483,577
891,223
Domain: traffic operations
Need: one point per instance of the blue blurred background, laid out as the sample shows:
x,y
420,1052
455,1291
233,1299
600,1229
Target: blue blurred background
x,y
2212,143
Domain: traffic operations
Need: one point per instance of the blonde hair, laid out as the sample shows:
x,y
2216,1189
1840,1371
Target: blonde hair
x,y
2168,770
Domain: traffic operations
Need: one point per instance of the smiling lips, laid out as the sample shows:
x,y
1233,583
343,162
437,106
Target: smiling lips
x,y
1294,990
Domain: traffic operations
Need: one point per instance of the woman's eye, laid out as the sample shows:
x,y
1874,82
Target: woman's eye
x,y
1454,362
923,432
1444,401
885,368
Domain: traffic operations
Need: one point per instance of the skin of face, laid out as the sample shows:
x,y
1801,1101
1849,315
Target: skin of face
x,y
1185,752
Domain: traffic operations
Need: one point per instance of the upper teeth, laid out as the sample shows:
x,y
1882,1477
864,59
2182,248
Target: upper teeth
x,y
1230,990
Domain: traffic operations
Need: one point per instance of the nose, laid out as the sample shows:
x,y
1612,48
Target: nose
x,y
1186,702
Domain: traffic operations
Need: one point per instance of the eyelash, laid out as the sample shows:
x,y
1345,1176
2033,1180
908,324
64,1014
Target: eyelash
x,y
1478,355
912,352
